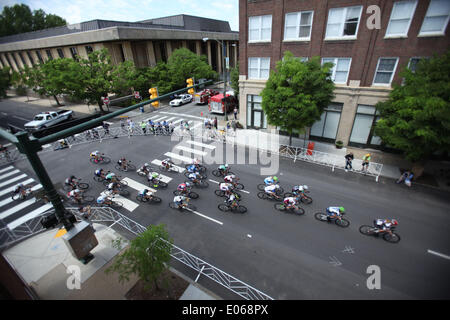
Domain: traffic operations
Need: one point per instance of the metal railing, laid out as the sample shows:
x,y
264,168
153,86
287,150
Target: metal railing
x,y
112,218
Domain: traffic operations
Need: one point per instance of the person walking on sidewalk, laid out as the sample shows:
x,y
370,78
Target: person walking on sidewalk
x,y
235,113
144,127
215,123
348,161
365,164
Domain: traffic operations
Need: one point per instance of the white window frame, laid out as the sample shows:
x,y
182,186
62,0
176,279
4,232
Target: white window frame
x,y
259,68
433,33
333,71
405,34
341,31
392,75
260,29
297,30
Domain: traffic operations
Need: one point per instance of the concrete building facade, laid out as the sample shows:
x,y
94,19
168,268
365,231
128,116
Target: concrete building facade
x,y
369,41
145,43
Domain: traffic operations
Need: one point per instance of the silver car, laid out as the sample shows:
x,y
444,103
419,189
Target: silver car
x,y
182,99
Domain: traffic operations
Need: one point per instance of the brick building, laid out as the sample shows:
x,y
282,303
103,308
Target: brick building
x,y
367,59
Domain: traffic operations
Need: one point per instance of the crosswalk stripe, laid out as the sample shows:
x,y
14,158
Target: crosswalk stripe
x,y
207,146
6,175
136,185
171,119
198,152
159,163
8,144
8,190
14,209
159,118
6,169
127,204
179,120
9,200
164,178
12,180
187,115
177,156
29,216
197,125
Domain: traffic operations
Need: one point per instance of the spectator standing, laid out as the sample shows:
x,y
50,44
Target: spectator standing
x,y
365,164
235,113
348,161
144,127
106,127
86,214
215,123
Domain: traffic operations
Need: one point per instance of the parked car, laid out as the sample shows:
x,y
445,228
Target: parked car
x,y
47,119
182,99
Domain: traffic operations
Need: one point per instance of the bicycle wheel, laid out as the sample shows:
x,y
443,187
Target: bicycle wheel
x,y
162,184
141,198
298,211
202,169
155,199
173,206
119,167
202,184
193,195
344,223
241,209
280,206
105,160
88,199
367,230
131,167
320,216
219,193
261,186
83,185
123,183
124,193
216,173
288,195
391,237
98,179
16,196
262,195
239,186
223,207
116,204
306,200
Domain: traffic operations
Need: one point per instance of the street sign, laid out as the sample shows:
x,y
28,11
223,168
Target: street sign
x,y
105,100
136,95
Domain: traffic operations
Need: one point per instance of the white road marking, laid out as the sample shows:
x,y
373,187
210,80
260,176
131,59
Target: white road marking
x,y
127,204
194,151
29,216
171,119
6,175
214,181
136,185
20,118
159,163
197,125
8,144
158,119
17,208
164,178
206,217
177,156
8,190
9,200
439,254
249,235
245,191
175,122
207,146
183,114
12,180
6,169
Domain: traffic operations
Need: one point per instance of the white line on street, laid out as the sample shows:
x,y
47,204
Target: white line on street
x,y
159,163
12,180
29,216
182,114
214,181
8,190
175,122
9,200
245,191
127,204
194,151
6,175
6,169
206,217
207,146
8,144
20,118
136,185
177,156
439,254
15,209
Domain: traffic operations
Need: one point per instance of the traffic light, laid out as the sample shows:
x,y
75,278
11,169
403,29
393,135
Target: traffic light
x,y
190,83
154,94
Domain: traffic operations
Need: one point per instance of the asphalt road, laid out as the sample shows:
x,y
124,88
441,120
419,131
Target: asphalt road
x,y
287,256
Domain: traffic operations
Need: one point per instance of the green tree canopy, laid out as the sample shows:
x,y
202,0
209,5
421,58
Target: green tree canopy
x,y
234,80
147,256
297,93
416,117
19,19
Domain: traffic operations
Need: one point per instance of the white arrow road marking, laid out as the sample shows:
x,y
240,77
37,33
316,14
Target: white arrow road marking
x,y
334,261
29,216
439,254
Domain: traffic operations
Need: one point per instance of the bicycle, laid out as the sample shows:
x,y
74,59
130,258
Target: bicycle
x,y
201,177
20,195
117,179
184,206
109,202
221,193
264,196
99,179
190,194
199,183
121,192
77,185
102,159
200,168
148,199
301,196
157,183
170,168
388,235
143,173
234,207
82,200
295,209
221,173
340,221
128,167
262,186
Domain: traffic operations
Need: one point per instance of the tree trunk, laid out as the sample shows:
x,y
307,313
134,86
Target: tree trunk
x,y
156,285
57,102
418,168
100,105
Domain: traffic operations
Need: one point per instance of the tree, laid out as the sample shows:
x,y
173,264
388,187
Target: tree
x,y
416,117
234,81
147,257
5,81
19,19
184,64
297,93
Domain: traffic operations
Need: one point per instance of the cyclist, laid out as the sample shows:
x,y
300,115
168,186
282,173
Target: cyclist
x,y
231,200
192,168
384,224
180,201
147,194
300,190
22,189
167,163
145,168
194,177
153,177
101,199
230,178
223,168
95,155
100,173
166,125
334,212
152,125
71,181
271,180
184,187
226,187
113,187
75,195
271,190
290,202
123,163
111,176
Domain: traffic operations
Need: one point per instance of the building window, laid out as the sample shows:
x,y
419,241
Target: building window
x,y
363,127
74,53
341,68
298,25
385,71
326,128
260,28
436,18
49,54
258,68
343,23
60,53
39,57
89,49
30,58
401,17
256,118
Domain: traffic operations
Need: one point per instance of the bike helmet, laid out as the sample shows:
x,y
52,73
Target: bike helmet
x,y
305,187
341,209
188,184
275,178
146,164
394,222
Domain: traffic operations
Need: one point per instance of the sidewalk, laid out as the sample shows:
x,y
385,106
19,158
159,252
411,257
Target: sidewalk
x,y
43,261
